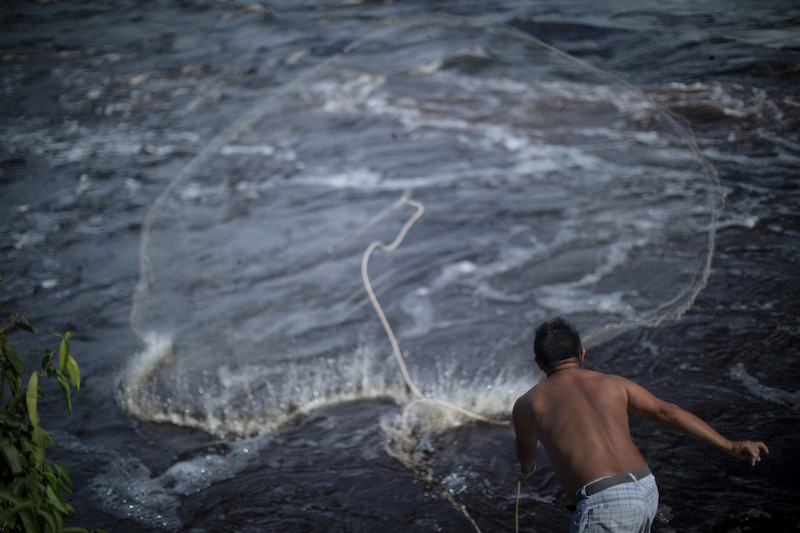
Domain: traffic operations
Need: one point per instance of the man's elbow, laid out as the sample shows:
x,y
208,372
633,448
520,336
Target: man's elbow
x,y
669,414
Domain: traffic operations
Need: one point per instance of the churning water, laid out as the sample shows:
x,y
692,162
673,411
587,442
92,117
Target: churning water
x,y
196,190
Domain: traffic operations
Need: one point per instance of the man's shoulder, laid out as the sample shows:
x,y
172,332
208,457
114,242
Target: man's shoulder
x,y
525,397
607,384
595,374
526,400
534,397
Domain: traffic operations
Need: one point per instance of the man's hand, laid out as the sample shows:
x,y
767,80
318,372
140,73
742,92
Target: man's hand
x,y
747,449
522,476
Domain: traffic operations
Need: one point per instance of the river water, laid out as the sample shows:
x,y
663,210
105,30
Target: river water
x,y
196,189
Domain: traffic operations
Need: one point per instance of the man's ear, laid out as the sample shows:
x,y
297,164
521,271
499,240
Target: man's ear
x,y
583,354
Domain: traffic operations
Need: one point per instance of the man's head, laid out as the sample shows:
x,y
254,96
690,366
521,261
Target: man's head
x,y
556,341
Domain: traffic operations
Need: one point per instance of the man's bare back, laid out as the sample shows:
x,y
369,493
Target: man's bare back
x,y
581,417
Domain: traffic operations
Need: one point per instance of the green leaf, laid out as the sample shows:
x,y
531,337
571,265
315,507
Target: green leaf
x,y
56,499
11,421
60,521
53,519
48,474
31,397
29,520
65,485
11,455
26,512
41,440
74,372
8,496
14,358
18,487
23,323
63,473
48,513
17,407
63,353
34,487
65,389
7,520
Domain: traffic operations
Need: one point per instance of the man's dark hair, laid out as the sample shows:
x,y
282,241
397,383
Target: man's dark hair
x,y
555,341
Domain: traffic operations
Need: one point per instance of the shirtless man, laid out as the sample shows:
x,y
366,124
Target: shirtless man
x,y
581,418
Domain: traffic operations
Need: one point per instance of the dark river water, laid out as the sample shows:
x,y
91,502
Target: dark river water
x,y
197,190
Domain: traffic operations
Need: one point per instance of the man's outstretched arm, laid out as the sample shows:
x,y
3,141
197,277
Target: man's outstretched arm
x,y
642,402
526,440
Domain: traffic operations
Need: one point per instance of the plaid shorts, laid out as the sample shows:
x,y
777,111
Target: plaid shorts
x,y
628,507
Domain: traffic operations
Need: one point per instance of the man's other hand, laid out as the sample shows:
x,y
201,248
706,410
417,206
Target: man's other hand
x,y
747,449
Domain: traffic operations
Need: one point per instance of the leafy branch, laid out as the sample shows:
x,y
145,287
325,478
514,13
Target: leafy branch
x,y
31,493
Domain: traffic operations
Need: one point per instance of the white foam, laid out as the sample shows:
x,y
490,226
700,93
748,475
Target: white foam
x,y
127,488
157,348
491,398
195,191
285,392
357,178
541,159
428,68
27,239
264,150
733,101
296,56
420,119
351,95
749,222
408,435
569,299
455,483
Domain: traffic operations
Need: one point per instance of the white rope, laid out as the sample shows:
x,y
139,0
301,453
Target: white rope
x,y
421,398
371,293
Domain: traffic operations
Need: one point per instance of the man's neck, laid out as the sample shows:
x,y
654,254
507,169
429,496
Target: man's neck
x,y
569,365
